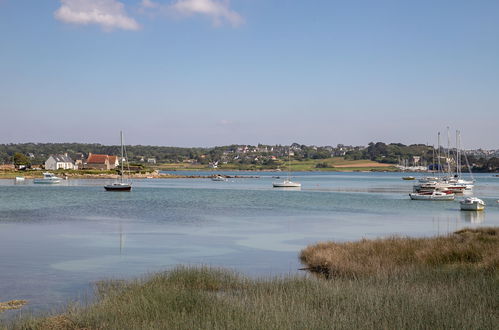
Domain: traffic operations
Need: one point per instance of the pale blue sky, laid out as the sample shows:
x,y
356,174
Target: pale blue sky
x,y
214,72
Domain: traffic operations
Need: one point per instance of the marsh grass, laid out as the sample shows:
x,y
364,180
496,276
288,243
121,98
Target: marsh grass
x,y
475,248
427,294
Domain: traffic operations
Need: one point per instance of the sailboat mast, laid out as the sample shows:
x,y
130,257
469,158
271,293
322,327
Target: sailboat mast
x,y
438,155
121,160
448,153
289,162
458,158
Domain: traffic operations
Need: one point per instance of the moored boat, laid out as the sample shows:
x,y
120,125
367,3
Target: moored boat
x,y
433,196
427,179
472,204
286,183
117,186
408,178
48,178
219,178
120,185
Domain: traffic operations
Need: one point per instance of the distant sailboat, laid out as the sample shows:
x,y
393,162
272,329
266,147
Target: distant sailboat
x,y
286,183
121,184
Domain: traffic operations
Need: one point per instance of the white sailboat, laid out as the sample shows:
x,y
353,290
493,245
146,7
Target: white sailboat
x,y
121,184
286,183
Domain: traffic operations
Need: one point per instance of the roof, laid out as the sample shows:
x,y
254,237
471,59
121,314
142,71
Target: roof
x,y
113,159
61,158
97,159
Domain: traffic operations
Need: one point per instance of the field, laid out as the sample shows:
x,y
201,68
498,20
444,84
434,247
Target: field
x,y
418,287
329,164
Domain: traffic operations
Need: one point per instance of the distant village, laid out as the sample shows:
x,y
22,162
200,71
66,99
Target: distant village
x,y
73,156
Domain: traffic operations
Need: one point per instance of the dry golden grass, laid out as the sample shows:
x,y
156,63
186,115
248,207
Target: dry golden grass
x,y
13,304
477,248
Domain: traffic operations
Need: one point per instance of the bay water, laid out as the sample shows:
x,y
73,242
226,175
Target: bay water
x,y
57,241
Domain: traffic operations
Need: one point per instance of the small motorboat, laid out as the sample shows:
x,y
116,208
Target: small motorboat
x,y
408,178
20,179
286,184
48,178
219,178
472,204
433,196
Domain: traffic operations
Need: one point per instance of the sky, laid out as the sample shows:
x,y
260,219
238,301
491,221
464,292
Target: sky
x,y
218,72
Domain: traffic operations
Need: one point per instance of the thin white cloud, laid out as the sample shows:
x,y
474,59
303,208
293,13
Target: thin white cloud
x,y
109,14
149,4
217,10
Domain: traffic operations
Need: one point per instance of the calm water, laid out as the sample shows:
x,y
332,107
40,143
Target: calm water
x,y
55,241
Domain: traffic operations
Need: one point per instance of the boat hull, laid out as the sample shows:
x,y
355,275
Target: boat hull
x,y
219,178
431,197
118,187
472,207
286,185
42,181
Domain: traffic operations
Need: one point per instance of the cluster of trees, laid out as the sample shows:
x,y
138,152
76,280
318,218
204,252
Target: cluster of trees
x,y
41,151
484,165
392,153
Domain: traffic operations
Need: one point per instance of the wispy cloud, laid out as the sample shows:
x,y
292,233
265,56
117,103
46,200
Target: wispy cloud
x,y
217,10
149,4
109,14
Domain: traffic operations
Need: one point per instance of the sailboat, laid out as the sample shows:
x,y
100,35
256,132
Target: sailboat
x,y
286,183
120,185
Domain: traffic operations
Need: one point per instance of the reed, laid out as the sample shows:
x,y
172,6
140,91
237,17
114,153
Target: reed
x,y
430,295
475,248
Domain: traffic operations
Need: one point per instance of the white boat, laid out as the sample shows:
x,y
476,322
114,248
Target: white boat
x,y
121,184
427,179
219,178
286,183
433,196
48,178
20,179
472,204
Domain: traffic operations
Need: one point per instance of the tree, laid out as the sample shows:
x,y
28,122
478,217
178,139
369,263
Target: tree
x,y
20,159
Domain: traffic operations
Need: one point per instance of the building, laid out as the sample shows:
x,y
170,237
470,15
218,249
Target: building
x,y
79,160
101,162
59,161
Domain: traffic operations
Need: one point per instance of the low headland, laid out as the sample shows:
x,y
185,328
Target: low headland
x,y
335,164
446,282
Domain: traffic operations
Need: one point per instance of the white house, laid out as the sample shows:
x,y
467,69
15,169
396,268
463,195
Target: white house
x,y
55,162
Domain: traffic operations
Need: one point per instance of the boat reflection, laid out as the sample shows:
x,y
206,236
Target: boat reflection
x,y
472,216
287,188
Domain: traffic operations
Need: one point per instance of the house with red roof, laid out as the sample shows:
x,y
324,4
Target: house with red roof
x,y
101,162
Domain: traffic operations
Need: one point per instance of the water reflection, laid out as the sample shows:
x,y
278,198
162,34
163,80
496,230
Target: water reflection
x,y
287,188
122,239
472,216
